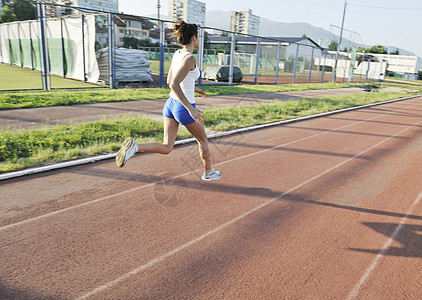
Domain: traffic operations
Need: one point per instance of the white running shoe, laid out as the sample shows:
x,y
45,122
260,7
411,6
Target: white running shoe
x,y
129,148
213,175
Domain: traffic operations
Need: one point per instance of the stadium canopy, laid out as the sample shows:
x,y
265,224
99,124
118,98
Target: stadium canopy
x,y
285,41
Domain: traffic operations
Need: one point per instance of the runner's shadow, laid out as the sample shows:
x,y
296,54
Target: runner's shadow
x,y
409,237
288,149
233,189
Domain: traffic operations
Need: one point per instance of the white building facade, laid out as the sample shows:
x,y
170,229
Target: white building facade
x,y
132,27
190,11
401,64
105,5
245,22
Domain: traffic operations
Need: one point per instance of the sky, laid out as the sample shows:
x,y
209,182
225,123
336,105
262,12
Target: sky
x,y
383,22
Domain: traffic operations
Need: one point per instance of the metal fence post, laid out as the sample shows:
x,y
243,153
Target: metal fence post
x,y
345,66
20,45
63,51
277,67
10,45
232,50
162,37
310,65
1,49
258,50
367,71
201,53
111,51
323,68
295,69
83,46
380,73
319,63
45,70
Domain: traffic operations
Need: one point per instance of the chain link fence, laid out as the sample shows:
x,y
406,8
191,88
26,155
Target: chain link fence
x,y
74,47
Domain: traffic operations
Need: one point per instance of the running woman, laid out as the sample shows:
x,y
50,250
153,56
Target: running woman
x,y
180,107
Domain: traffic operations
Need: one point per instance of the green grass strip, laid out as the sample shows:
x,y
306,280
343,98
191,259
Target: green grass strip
x,y
36,147
14,100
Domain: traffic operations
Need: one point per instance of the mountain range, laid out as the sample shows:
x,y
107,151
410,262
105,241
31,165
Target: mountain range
x,y
221,20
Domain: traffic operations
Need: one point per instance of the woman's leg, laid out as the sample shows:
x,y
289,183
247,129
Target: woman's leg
x,y
170,132
198,131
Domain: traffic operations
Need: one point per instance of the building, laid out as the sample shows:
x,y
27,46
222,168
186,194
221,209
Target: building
x,y
245,22
50,10
398,64
401,64
103,5
190,11
131,26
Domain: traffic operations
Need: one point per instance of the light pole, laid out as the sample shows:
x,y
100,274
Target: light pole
x,y
158,15
339,43
158,10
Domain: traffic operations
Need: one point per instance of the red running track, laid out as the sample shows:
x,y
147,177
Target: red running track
x,y
328,208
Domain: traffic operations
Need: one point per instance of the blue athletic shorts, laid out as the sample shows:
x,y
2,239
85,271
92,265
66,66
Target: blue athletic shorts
x,y
174,109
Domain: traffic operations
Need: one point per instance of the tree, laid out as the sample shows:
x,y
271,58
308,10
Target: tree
x,y
207,43
147,43
333,45
67,11
130,42
397,52
23,10
420,75
7,15
304,35
377,49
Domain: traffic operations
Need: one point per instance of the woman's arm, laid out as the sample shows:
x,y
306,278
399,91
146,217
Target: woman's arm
x,y
188,64
169,76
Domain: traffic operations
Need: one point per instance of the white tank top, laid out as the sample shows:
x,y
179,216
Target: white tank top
x,y
188,84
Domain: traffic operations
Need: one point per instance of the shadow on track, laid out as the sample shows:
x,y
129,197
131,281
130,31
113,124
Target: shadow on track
x,y
408,237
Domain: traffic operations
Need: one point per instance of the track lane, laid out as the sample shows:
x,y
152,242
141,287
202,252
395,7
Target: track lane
x,y
236,195
87,186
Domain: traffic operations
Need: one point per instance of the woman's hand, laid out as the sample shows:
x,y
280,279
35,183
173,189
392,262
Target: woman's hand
x,y
196,115
201,92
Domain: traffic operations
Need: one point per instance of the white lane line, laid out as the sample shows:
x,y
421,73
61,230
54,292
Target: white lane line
x,y
174,177
235,220
354,293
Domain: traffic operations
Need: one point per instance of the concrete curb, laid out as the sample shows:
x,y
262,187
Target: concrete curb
x,y
191,140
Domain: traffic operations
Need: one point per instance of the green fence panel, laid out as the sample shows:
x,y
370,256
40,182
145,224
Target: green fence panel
x,y
26,53
36,53
14,54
